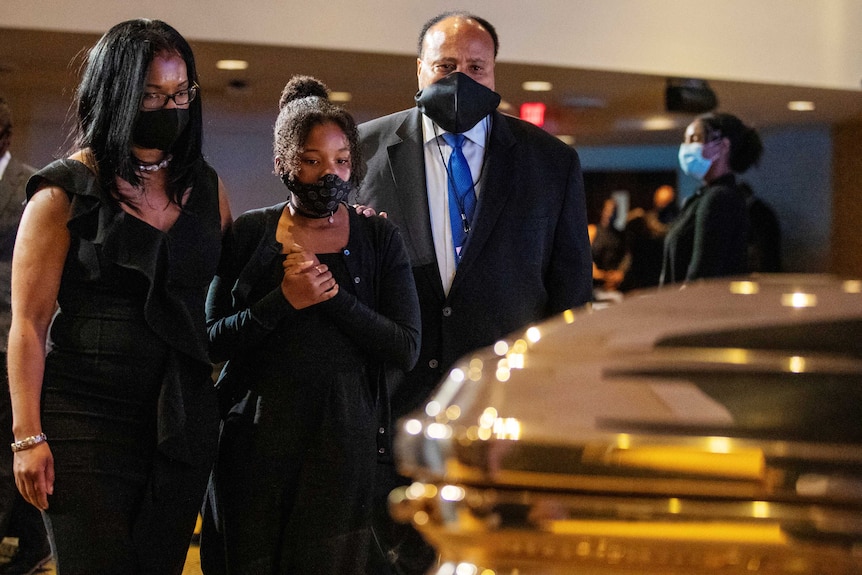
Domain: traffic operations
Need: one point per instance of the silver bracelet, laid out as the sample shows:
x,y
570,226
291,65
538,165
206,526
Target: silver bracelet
x,y
28,442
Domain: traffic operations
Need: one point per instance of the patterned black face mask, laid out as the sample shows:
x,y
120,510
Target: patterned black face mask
x,y
320,199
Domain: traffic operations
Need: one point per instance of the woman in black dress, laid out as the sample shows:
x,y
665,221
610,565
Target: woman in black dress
x,y
116,426
709,237
311,307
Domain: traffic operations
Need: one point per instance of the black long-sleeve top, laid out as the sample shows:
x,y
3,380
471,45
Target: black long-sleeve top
x,y
709,237
382,318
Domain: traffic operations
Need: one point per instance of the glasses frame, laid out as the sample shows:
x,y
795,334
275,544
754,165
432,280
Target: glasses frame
x,y
192,92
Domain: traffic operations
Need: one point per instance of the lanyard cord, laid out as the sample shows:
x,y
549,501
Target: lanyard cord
x,y
459,199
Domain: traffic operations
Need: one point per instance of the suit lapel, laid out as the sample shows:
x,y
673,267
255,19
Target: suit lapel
x,y
407,164
406,160
496,185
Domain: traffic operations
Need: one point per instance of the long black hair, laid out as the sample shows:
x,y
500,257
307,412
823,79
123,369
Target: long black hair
x,y
108,103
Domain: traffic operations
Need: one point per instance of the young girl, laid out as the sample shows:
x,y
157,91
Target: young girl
x,y
311,306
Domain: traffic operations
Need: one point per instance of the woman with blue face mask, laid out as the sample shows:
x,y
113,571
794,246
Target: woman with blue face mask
x,y
709,238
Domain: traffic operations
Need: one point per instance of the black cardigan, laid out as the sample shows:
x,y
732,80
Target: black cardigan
x,y
383,316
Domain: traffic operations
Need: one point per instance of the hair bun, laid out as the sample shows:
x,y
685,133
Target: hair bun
x,y
302,87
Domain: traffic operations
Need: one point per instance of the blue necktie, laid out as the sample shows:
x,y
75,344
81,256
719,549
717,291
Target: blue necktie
x,y
462,196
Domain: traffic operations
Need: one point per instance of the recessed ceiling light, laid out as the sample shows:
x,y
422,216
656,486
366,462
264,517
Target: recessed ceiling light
x,y
653,123
798,300
657,123
537,86
800,106
231,64
340,96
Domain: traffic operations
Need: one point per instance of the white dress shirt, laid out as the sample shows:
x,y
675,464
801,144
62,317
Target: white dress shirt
x,y
436,182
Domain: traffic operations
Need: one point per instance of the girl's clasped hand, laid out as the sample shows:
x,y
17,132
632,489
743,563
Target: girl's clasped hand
x,y
306,281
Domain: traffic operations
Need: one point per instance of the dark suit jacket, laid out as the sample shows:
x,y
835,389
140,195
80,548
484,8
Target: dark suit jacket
x,y
528,253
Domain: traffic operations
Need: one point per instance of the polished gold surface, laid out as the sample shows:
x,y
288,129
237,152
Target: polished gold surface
x,y
714,429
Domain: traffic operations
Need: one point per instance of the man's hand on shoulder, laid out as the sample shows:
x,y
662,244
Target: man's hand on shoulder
x,y
367,211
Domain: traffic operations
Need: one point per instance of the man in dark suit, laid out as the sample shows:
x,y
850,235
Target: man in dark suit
x,y
17,517
526,253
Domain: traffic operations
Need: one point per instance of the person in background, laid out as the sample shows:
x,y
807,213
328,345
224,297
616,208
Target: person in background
x,y
493,212
17,517
315,310
710,236
644,235
116,424
664,207
610,256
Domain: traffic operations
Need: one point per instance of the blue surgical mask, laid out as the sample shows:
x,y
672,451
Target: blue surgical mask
x,y
691,160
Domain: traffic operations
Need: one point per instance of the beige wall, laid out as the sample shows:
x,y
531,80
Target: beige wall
x,y
795,42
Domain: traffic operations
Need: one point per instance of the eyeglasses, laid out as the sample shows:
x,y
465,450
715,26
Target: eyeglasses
x,y
156,100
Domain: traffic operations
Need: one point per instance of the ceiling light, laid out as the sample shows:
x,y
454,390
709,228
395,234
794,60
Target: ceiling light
x,y
798,300
657,123
651,124
340,96
800,106
537,86
231,64
744,287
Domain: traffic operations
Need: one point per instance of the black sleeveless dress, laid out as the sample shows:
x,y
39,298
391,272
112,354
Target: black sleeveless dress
x,y
128,405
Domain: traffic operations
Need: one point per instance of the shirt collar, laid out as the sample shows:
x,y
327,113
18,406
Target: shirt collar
x,y
477,134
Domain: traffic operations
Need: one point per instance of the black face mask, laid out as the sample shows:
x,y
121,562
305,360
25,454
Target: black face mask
x,y
320,199
159,129
457,102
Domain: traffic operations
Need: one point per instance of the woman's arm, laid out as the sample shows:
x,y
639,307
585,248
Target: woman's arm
x,y
41,247
391,333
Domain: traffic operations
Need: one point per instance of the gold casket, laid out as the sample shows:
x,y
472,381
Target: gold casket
x,y
714,429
